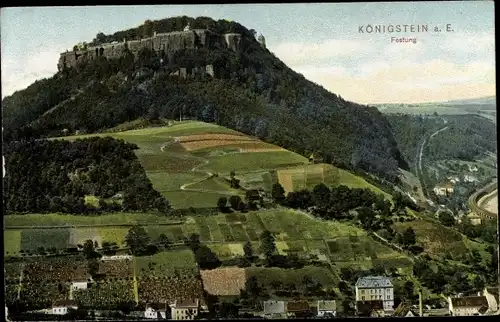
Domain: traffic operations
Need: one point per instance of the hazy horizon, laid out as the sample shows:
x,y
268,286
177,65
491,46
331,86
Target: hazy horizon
x,y
321,41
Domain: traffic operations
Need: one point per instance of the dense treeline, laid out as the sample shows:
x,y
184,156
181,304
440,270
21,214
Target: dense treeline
x,y
55,176
466,136
253,92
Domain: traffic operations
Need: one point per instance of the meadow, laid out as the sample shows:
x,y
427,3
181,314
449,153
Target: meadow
x,y
186,153
225,234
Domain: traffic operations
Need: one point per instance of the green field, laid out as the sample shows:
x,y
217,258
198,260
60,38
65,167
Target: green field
x,y
271,275
253,161
166,263
53,220
169,166
12,242
171,181
32,239
435,238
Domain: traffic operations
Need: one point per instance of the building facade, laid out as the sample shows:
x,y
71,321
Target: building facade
x,y
63,307
185,310
376,288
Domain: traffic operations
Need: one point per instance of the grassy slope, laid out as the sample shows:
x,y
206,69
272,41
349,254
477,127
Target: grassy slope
x,y
173,167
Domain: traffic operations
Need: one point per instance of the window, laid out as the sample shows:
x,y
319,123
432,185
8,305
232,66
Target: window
x,y
388,297
362,298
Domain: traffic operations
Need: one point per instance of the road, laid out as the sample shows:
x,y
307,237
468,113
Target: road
x,y
420,154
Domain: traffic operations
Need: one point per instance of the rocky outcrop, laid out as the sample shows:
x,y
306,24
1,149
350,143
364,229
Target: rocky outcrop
x,y
164,42
233,41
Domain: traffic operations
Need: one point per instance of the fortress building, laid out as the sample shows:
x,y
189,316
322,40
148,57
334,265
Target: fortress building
x,y
163,42
262,40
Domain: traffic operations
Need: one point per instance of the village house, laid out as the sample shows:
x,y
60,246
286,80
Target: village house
x,y
443,189
373,288
156,311
327,308
468,305
185,310
454,179
475,219
274,309
296,309
469,178
472,168
62,307
79,285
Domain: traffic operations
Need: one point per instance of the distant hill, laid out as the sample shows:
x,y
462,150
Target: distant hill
x,y
488,100
233,81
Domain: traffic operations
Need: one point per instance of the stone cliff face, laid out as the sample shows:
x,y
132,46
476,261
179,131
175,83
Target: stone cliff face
x,y
165,42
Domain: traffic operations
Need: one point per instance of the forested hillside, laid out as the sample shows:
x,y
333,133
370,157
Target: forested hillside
x,y
56,176
466,136
252,92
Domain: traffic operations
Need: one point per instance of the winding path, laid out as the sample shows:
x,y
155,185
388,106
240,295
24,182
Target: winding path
x,y
420,154
195,169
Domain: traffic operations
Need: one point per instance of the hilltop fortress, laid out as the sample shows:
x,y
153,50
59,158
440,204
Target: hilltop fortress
x,y
163,42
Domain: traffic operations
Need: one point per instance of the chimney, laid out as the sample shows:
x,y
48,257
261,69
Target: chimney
x,y
420,303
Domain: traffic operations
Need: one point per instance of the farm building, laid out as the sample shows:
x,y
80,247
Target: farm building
x,y
185,310
468,305
274,309
79,285
62,307
297,309
443,189
327,308
156,311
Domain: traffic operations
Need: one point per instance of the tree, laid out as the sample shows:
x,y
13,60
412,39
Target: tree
x,y
409,237
222,204
252,287
248,250
446,218
206,258
137,239
267,244
148,28
163,240
278,193
235,202
93,267
321,195
88,248
153,114
408,289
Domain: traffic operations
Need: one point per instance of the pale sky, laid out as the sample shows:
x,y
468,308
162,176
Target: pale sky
x,y
320,41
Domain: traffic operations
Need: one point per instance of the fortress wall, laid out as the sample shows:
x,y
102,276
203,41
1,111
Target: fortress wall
x,y
170,42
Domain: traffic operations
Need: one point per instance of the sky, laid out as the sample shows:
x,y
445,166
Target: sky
x,y
321,41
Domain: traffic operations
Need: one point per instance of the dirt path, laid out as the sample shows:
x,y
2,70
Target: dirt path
x,y
136,286
420,154
20,282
